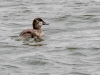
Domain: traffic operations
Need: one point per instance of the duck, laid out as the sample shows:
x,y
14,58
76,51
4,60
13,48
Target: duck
x,y
36,31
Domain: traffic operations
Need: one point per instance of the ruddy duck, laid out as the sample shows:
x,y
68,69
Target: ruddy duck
x,y
36,31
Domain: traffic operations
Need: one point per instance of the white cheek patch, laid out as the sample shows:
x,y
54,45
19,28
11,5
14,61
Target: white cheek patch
x,y
40,23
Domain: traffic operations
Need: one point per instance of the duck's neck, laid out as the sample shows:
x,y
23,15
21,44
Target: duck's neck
x,y
38,29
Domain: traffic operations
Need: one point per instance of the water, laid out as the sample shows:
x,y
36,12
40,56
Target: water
x,y
71,45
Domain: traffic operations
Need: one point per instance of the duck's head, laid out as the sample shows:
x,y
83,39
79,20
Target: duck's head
x,y
38,22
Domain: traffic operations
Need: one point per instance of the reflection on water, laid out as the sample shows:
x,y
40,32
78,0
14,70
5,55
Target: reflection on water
x,y
71,44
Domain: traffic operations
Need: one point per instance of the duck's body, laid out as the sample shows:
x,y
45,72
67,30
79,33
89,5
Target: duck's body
x,y
31,33
36,31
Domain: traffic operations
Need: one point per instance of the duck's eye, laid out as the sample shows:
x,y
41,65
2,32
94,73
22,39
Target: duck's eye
x,y
40,20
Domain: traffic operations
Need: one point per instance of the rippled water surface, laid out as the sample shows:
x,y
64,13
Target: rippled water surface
x,y
71,45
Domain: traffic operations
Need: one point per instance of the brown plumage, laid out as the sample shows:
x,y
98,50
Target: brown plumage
x,y
36,31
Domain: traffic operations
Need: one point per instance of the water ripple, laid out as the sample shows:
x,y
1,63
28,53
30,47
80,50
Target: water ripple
x,y
71,42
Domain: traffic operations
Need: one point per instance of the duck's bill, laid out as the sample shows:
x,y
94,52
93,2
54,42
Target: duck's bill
x,y
45,23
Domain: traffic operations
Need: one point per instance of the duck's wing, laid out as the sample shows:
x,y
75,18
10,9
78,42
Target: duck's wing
x,y
27,33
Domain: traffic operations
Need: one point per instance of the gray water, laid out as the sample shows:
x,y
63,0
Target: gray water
x,y
71,45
